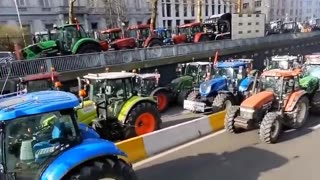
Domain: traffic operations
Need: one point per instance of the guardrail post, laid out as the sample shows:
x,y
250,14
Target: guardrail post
x,y
49,65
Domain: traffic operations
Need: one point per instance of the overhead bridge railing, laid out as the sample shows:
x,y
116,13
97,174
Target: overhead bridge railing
x,y
100,60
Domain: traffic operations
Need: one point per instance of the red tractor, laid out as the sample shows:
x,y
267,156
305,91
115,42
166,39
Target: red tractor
x,y
188,33
144,37
116,39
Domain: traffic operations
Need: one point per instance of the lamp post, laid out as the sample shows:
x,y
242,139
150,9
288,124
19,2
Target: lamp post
x,y
21,28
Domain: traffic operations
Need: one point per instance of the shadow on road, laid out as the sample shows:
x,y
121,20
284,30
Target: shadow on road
x,y
290,134
244,164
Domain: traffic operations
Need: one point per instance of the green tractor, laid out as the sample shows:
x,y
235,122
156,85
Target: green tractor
x,y
311,72
190,76
111,104
69,39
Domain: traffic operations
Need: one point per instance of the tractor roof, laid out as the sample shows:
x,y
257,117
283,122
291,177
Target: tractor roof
x,y
110,75
149,75
40,76
35,103
281,73
113,30
140,26
232,64
199,63
284,58
312,59
190,25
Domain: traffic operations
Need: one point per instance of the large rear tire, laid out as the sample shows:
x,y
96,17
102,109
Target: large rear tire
x,y
301,114
315,103
270,128
182,95
88,48
163,100
231,114
142,119
103,169
221,102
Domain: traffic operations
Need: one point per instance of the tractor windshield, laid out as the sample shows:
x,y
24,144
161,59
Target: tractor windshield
x,y
140,33
312,70
111,36
274,84
194,70
225,72
32,140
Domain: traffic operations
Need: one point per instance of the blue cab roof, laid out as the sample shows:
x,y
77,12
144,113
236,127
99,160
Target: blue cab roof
x,y
36,103
233,64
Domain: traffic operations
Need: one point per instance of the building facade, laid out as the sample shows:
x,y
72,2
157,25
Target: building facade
x,y
39,15
290,10
172,13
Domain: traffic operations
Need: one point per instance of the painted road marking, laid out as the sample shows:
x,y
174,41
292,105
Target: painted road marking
x,y
148,160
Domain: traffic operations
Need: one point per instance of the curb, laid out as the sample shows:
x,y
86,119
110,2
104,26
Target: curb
x,y
142,147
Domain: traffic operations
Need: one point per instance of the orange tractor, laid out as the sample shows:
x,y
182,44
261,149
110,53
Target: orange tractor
x,y
280,102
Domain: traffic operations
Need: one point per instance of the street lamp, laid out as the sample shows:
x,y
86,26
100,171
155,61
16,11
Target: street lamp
x,y
21,28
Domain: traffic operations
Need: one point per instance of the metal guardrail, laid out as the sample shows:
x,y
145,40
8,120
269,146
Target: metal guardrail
x,y
103,59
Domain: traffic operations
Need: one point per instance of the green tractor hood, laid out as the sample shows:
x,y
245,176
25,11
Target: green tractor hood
x,y
38,50
181,82
309,83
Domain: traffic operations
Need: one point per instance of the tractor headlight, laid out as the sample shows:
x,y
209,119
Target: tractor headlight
x,y
208,89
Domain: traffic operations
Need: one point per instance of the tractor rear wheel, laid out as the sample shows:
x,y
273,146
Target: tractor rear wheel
x,y
221,102
301,114
182,95
270,128
231,114
315,103
88,48
103,169
193,95
155,43
163,100
142,119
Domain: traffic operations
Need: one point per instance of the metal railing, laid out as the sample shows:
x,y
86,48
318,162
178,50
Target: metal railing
x,y
103,59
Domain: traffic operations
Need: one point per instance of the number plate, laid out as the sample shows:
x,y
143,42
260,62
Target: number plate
x,y
194,106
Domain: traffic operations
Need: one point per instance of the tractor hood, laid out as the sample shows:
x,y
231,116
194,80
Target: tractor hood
x,y
309,83
212,86
183,80
256,101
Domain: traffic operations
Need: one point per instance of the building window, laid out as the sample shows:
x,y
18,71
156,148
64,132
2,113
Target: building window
x,y
185,10
44,3
94,26
240,32
249,31
257,31
240,24
21,2
249,24
207,10
257,23
178,22
224,8
257,4
212,8
193,8
177,10
291,12
164,23
245,5
48,26
163,10
168,6
139,22
257,12
169,23
137,4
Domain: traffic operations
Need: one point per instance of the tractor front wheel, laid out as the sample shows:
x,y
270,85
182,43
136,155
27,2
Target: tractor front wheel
x,y
103,169
221,102
142,119
182,95
163,100
231,114
193,95
301,114
270,128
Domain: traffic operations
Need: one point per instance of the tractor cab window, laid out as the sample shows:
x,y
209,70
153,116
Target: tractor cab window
x,y
195,29
192,70
38,85
225,72
144,33
272,84
32,140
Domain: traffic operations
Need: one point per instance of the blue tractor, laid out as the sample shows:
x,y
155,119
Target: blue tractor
x,y
232,82
40,139
165,34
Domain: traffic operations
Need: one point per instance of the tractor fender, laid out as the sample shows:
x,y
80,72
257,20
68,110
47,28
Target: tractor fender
x,y
87,131
257,101
149,40
83,41
159,89
293,100
133,101
198,36
70,159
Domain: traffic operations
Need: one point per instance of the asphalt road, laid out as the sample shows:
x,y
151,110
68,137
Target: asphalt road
x,y
176,115
223,156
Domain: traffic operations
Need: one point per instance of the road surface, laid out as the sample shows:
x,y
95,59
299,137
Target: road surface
x,y
176,115
223,156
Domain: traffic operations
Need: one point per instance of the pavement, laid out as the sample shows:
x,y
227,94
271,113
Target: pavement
x,y
176,115
223,156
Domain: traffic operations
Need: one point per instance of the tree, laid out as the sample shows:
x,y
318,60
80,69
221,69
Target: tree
x,y
10,35
71,11
154,11
116,11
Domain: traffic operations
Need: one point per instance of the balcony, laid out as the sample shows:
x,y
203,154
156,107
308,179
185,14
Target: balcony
x,y
65,10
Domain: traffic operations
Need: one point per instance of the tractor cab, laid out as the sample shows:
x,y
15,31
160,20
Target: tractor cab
x,y
144,36
187,32
45,36
118,113
274,27
111,35
311,67
218,26
315,24
147,82
198,71
39,82
289,27
282,62
164,34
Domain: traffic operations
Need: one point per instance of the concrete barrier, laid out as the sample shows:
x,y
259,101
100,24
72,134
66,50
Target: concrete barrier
x,y
148,145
